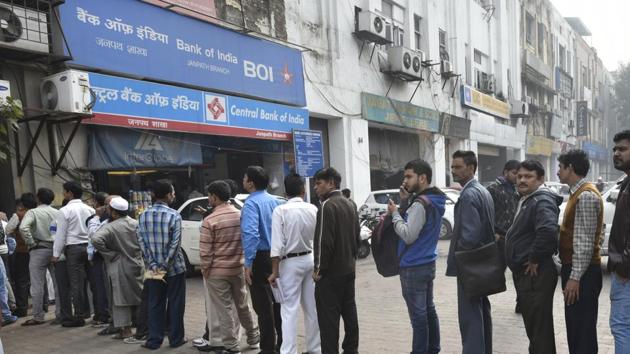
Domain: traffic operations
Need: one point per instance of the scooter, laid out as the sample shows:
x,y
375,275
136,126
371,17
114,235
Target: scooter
x,y
367,223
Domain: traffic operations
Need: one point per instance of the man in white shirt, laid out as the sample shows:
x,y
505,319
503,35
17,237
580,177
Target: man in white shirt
x,y
72,238
292,231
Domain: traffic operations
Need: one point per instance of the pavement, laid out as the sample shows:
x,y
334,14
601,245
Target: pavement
x,y
384,323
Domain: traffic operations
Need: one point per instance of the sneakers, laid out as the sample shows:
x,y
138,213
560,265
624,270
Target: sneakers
x,y
199,342
9,320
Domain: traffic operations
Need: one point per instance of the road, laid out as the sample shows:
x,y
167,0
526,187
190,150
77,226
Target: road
x,y
384,323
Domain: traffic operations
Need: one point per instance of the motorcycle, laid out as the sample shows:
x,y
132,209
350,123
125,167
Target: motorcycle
x,y
367,224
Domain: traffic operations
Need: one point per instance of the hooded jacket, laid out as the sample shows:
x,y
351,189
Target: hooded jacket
x,y
424,249
533,236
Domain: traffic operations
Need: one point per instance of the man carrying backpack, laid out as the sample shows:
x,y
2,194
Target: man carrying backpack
x,y
418,228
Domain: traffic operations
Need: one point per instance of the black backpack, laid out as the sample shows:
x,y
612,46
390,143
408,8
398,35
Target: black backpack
x,y
385,242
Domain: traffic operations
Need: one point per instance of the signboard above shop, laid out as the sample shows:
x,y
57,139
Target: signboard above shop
x,y
147,105
385,110
484,103
143,40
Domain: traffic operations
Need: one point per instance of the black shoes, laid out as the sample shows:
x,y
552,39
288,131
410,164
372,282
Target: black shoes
x,y
75,322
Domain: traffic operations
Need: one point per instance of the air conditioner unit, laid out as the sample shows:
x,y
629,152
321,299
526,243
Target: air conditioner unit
x,y
373,27
519,109
22,28
405,61
67,91
5,91
446,67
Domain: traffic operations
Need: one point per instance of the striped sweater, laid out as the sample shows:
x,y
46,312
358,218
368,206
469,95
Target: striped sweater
x,y
220,247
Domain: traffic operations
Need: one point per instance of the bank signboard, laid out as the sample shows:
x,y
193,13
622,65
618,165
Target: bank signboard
x,y
485,103
132,37
385,110
147,105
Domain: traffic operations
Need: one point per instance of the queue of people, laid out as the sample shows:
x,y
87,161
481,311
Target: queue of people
x,y
290,256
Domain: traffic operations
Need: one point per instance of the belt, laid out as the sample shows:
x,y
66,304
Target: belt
x,y
77,245
291,255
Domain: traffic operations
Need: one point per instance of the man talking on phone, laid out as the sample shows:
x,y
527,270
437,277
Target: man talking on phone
x,y
418,227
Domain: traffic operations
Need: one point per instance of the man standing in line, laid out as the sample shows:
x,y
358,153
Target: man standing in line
x,y
293,228
505,198
530,244
221,254
35,228
159,235
117,243
256,237
580,236
474,227
335,247
419,230
619,248
72,237
96,269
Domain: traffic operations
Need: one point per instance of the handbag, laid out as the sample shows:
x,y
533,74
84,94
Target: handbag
x,y
480,270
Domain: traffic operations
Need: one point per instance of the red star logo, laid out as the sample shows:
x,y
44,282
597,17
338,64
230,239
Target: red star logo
x,y
287,77
216,108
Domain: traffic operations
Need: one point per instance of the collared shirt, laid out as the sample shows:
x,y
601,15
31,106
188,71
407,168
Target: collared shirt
x,y
71,228
159,235
93,225
220,248
35,226
584,230
293,227
256,224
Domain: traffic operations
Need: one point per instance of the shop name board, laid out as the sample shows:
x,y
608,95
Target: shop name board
x,y
484,103
142,104
582,118
309,152
133,37
538,145
398,113
596,151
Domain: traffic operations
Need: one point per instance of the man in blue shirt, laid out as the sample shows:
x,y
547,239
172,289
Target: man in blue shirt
x,y
256,218
159,235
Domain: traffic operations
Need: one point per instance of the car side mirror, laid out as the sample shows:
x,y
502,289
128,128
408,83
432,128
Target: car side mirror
x,y
612,197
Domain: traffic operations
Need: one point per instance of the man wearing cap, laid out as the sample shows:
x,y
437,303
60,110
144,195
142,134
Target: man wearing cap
x,y
118,244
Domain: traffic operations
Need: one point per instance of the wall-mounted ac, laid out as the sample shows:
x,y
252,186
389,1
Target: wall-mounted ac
x,y
23,29
405,61
519,109
446,67
67,91
373,27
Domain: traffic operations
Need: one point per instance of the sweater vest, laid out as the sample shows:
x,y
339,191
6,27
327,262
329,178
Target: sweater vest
x,y
568,226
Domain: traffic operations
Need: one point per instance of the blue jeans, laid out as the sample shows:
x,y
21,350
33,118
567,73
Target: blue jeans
x,y
417,290
620,314
173,292
4,294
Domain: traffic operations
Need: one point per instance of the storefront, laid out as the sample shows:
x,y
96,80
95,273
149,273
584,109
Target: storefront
x,y
210,103
398,133
540,148
599,157
498,138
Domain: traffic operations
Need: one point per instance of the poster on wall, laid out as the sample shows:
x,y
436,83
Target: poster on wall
x,y
136,38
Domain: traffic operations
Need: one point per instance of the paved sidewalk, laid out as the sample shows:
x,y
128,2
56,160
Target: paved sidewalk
x,y
384,324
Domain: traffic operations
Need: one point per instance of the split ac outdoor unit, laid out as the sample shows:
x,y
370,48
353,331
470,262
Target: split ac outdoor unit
x,y
373,27
67,91
519,109
23,29
405,61
446,67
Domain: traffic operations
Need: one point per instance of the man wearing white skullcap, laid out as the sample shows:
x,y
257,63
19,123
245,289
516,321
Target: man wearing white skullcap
x,y
118,244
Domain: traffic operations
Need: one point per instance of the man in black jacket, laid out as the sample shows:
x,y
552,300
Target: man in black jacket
x,y
530,244
335,247
619,248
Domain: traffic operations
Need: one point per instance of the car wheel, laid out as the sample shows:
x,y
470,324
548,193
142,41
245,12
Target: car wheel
x,y
364,249
190,270
445,230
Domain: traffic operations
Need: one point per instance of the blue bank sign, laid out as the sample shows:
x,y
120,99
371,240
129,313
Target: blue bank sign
x,y
129,36
142,104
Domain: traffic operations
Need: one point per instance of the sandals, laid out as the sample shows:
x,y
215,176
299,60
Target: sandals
x,y
107,331
33,322
120,336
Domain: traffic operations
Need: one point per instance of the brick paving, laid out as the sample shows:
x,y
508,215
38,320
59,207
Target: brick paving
x,y
384,324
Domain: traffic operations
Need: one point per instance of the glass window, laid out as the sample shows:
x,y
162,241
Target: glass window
x,y
417,34
195,210
529,28
443,45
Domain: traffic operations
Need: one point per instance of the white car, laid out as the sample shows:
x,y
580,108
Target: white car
x,y
376,203
610,199
192,213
